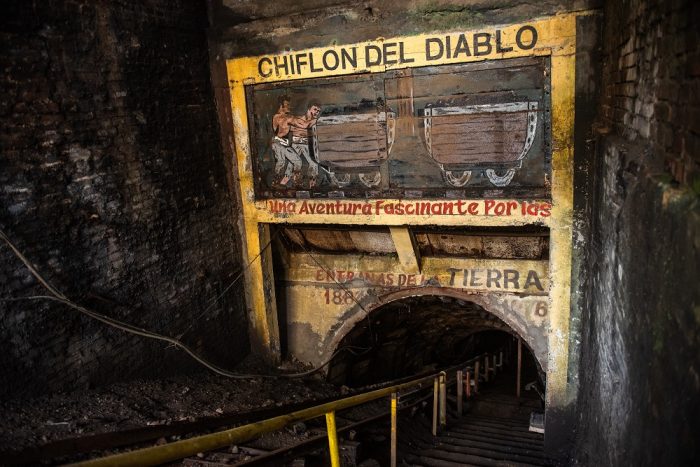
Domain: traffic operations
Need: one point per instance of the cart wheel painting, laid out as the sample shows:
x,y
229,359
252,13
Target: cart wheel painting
x,y
340,180
500,178
456,178
370,180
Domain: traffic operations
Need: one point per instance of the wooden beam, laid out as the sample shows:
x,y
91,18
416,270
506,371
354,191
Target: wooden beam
x,y
405,244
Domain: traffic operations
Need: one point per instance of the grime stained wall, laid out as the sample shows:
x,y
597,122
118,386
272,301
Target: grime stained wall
x,y
639,401
247,28
115,188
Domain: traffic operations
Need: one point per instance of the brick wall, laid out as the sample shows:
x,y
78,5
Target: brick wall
x,y
114,185
651,90
638,402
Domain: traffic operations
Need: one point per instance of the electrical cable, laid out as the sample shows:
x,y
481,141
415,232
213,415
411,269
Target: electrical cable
x,y
57,296
233,282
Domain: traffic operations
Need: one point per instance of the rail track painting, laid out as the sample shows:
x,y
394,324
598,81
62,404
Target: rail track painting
x,y
447,131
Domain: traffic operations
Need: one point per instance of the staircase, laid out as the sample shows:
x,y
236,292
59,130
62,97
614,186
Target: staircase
x,y
494,431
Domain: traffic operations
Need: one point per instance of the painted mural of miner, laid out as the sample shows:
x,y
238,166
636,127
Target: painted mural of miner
x,y
301,139
290,154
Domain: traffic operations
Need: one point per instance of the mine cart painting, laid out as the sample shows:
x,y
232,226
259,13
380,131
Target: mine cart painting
x,y
492,137
441,131
354,144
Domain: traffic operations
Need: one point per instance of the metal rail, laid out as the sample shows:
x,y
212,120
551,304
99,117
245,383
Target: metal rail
x,y
188,447
313,442
64,448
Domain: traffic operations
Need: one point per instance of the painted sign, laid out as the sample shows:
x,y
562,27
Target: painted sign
x,y
440,131
350,271
327,291
488,207
420,51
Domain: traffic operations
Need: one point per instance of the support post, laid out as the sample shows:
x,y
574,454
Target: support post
x,y
460,391
486,368
436,391
495,365
394,421
260,293
468,384
406,248
443,400
520,363
332,439
476,377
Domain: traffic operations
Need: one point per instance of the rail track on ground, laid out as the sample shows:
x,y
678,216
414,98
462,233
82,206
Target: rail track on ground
x,y
364,425
82,446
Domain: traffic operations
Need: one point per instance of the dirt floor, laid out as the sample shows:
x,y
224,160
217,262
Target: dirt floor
x,y
29,423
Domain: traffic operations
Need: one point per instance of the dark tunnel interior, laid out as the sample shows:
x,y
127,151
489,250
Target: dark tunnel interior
x,y
420,334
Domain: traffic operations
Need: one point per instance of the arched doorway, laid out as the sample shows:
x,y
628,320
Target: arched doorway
x,y
405,335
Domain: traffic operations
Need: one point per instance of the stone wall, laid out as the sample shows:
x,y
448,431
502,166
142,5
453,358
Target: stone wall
x,y
640,367
114,185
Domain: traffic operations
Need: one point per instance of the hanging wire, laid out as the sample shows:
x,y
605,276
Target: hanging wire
x,y
240,274
57,296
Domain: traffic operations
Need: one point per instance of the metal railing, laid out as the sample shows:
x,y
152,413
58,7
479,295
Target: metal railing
x,y
467,380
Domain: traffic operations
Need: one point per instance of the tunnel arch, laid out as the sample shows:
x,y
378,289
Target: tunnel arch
x,y
533,337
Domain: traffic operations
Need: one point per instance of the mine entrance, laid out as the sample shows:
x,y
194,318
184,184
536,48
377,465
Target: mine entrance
x,y
425,333
462,285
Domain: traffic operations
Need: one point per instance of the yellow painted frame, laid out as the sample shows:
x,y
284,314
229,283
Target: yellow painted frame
x,y
557,39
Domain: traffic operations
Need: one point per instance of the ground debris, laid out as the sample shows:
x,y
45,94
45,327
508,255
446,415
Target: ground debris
x,y
33,422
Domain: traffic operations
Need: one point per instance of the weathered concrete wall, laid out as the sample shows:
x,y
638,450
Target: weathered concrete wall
x,y
640,366
247,28
114,185
323,305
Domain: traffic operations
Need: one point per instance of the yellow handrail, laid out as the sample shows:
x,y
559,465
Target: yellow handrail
x,y
177,450
188,447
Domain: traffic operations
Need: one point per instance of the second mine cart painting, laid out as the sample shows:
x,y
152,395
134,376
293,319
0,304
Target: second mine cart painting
x,y
478,129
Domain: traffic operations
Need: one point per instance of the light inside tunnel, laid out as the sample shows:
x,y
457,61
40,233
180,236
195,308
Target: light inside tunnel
x,y
419,334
